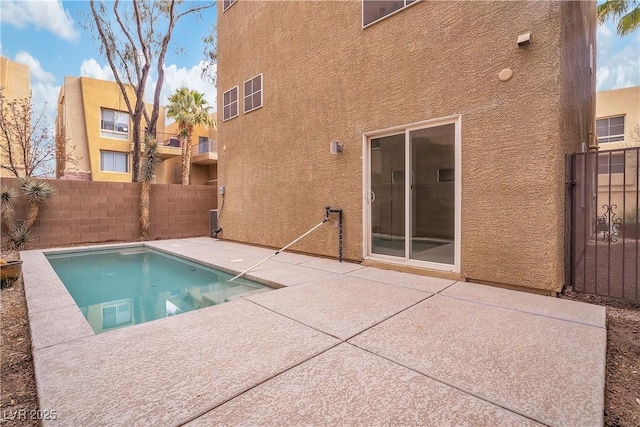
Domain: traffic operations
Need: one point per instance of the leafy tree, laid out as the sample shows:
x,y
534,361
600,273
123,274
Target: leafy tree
x,y
627,12
189,109
134,39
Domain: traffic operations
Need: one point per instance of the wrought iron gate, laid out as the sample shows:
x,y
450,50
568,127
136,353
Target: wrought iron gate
x,y
603,223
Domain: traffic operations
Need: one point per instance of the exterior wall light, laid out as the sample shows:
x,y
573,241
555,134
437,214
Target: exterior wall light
x,y
524,39
335,147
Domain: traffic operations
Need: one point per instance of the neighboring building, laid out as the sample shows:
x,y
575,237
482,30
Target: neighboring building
x,y
618,128
454,135
204,156
94,126
15,82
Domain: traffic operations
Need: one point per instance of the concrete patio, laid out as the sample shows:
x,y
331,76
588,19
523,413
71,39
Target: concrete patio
x,y
339,344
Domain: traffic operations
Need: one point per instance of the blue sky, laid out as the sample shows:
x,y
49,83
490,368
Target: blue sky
x,y
47,36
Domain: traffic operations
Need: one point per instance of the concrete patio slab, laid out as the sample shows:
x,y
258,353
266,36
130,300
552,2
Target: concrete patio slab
x,y
168,371
340,307
422,283
348,386
333,266
547,369
562,309
277,274
46,327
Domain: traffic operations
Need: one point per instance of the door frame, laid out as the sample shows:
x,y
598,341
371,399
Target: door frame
x,y
456,120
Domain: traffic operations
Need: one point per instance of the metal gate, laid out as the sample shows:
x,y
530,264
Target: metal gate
x,y
603,223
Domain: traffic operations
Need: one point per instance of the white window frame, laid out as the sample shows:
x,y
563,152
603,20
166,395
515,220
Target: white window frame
x,y
244,97
114,133
114,153
456,120
616,137
385,16
228,4
611,163
237,102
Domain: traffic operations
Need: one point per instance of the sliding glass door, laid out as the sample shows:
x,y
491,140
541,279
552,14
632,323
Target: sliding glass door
x,y
412,197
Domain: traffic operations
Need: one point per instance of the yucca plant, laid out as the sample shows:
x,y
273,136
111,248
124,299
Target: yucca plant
x,y
8,208
35,192
147,173
19,237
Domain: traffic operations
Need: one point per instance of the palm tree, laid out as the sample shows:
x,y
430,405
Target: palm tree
x,y
189,109
627,11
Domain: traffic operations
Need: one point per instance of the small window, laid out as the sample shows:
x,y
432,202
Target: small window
x,y
253,93
615,160
610,129
114,124
226,4
113,161
230,104
374,10
203,144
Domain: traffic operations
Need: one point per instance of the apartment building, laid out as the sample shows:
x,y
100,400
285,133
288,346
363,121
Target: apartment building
x,y
93,124
16,84
439,128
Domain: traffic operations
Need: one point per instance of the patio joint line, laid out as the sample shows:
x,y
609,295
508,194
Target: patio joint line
x,y
240,393
461,389
399,286
562,319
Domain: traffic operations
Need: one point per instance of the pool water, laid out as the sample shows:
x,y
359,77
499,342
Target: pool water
x,y
119,287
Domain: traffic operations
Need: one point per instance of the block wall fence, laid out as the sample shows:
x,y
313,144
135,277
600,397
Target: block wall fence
x,y
82,212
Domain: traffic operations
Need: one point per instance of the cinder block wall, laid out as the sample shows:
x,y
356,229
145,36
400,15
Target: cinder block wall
x,y
101,212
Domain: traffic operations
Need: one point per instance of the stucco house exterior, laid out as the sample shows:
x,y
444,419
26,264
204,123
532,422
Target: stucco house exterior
x,y
453,119
16,84
93,124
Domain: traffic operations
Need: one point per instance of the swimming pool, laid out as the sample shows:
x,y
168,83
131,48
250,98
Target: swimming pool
x,y
119,287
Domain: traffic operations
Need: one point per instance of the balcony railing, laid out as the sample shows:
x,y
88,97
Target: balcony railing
x,y
206,146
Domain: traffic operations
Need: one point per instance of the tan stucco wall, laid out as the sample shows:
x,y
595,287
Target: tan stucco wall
x,y
326,78
71,119
620,102
15,82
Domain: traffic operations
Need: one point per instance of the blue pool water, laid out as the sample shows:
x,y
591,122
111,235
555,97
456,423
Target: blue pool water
x,y
126,286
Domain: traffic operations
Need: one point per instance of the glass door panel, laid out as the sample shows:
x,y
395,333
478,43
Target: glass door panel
x,y
388,195
432,194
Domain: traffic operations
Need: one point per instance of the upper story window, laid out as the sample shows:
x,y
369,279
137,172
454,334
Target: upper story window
x,y
609,163
253,93
203,144
230,104
114,161
610,129
374,10
114,124
226,4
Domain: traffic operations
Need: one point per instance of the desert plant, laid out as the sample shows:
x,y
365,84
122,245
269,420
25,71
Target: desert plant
x,y
147,173
8,196
19,237
35,192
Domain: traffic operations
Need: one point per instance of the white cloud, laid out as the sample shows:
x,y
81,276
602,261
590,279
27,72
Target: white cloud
x,y
35,69
618,59
47,15
175,78
91,68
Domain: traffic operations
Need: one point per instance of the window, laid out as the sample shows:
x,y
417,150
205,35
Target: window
x,y
114,124
203,144
253,93
374,10
615,159
610,129
113,161
226,4
230,104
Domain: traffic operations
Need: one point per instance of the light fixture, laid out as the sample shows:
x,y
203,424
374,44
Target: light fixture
x,y
335,147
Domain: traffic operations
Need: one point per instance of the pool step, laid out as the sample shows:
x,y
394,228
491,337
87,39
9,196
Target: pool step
x,y
228,294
